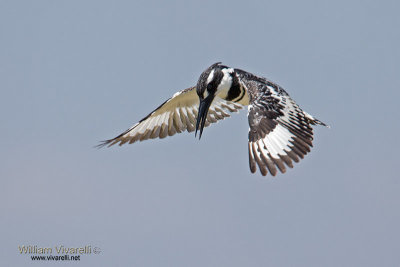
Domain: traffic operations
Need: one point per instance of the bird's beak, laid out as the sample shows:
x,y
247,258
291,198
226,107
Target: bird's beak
x,y
202,115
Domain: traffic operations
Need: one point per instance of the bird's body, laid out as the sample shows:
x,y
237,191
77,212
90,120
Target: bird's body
x,y
280,131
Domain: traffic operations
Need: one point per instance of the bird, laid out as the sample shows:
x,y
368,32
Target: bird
x,y
280,132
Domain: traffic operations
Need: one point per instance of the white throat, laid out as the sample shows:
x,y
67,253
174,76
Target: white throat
x,y
225,84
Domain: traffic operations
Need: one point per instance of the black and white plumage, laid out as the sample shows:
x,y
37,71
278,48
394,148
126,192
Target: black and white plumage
x,y
280,131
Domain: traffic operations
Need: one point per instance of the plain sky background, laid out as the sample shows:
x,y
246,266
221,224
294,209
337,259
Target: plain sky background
x,y
73,73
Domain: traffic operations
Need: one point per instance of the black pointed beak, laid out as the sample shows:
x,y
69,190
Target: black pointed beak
x,y
202,115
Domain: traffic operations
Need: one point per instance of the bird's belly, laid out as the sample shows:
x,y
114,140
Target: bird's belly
x,y
241,97
244,100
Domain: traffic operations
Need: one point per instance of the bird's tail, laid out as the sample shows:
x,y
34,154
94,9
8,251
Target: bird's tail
x,y
314,121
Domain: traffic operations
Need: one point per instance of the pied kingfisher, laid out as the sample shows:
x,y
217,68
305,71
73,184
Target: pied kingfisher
x,y
280,131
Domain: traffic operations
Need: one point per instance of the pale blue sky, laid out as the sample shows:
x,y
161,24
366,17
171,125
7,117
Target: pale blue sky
x,y
73,73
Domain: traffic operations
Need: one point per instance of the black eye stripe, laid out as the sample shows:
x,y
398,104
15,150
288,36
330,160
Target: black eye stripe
x,y
212,86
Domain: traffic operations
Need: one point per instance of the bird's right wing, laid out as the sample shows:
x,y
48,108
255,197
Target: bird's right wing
x,y
177,114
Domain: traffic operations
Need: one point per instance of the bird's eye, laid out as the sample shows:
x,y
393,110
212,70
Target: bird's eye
x,y
209,87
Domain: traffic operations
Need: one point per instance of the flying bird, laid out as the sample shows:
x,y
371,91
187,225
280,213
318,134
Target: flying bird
x,y
280,131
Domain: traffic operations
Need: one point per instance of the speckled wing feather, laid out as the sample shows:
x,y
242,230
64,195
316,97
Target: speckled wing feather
x,y
176,115
280,132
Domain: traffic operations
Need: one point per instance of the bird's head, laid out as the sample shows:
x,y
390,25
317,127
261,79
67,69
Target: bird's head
x,y
214,80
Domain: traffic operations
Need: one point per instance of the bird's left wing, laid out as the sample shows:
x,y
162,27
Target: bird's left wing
x,y
280,131
176,115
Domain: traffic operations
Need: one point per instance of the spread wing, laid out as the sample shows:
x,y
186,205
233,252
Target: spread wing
x,y
176,115
280,132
